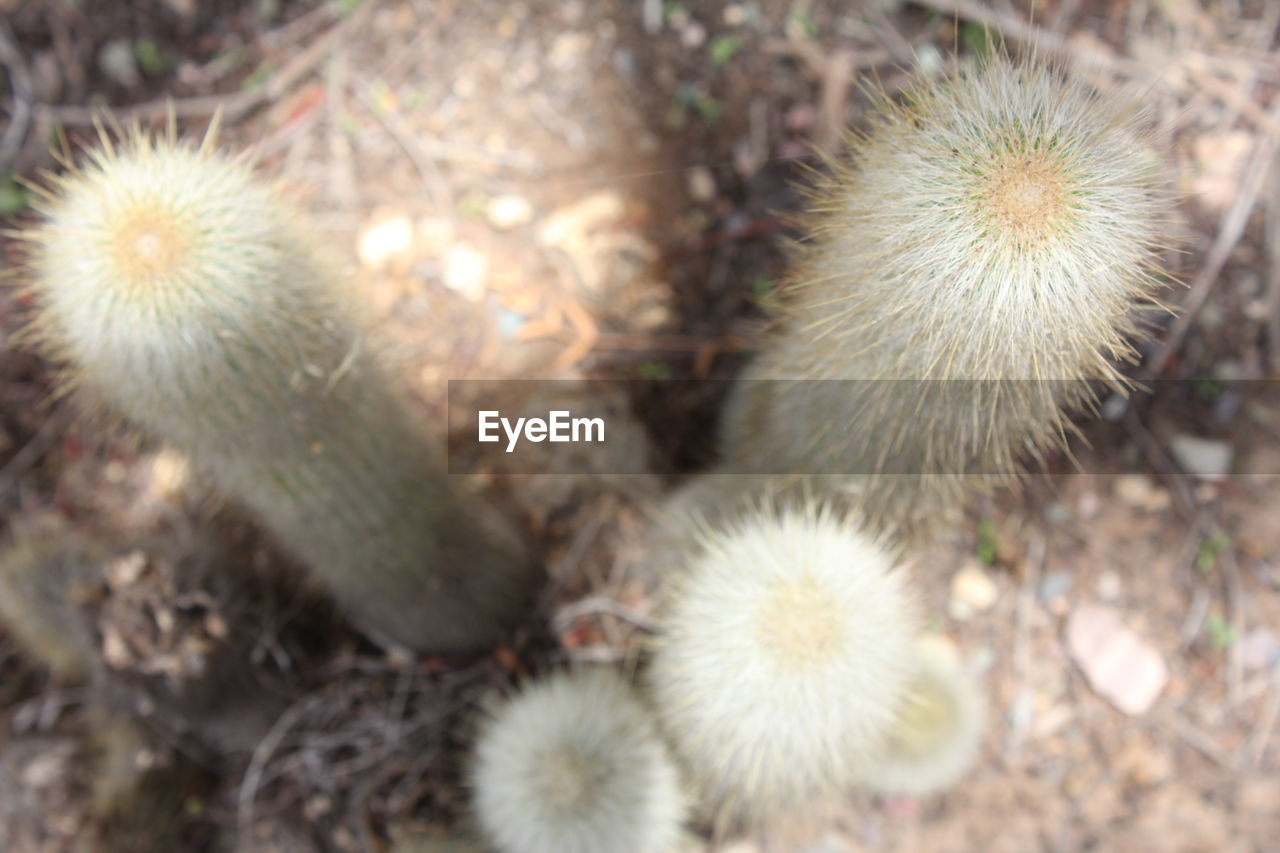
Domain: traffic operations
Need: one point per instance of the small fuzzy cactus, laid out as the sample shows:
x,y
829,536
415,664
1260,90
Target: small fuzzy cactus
x,y
188,296
938,727
786,650
46,576
977,260
574,764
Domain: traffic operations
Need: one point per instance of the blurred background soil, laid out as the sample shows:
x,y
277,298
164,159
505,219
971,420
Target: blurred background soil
x,y
585,189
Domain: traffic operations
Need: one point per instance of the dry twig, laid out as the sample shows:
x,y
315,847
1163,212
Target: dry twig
x,y
232,106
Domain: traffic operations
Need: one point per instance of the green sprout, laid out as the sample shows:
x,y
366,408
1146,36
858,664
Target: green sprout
x,y
1211,548
724,49
13,199
151,59
1221,632
987,544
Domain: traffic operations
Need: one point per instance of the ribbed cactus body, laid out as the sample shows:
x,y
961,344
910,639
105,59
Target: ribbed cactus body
x,y
574,764
189,297
976,259
46,576
784,654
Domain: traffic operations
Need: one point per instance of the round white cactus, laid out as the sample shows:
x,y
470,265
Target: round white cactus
x,y
938,728
574,764
785,653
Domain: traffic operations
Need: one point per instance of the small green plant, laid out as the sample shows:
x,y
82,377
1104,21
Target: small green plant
x,y
190,297
724,49
151,58
654,371
988,544
13,200
800,23
574,764
764,294
785,652
1221,632
1210,549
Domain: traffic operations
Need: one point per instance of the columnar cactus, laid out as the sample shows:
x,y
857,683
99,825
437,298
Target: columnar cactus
x,y
574,764
46,575
977,258
937,729
785,653
190,297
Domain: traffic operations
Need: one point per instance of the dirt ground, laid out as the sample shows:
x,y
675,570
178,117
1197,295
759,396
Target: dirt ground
x,y
585,189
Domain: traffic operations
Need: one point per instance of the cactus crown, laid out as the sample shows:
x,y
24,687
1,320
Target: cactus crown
x,y
783,659
1008,189
204,273
974,263
573,764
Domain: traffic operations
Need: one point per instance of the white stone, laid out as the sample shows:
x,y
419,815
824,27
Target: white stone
x,y
465,271
1202,457
384,240
1121,666
508,211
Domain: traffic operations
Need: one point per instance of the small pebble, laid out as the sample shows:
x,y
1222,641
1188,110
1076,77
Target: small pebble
x,y
1201,457
1259,649
567,50
465,271
800,117
1133,490
384,240
509,211
1143,764
434,234
1120,666
702,184
734,15
1257,310
1053,587
1057,513
693,35
1109,586
510,322
972,591
117,61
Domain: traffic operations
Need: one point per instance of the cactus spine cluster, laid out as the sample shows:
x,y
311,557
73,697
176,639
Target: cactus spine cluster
x,y
785,650
977,259
574,764
937,729
46,576
189,296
